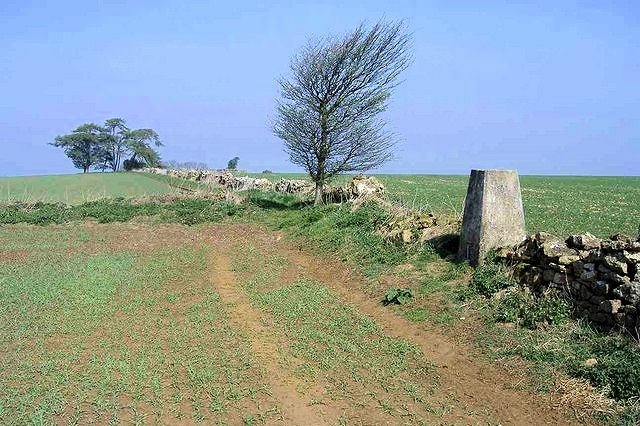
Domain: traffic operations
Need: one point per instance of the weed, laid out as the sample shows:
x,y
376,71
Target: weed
x,y
490,278
397,296
520,306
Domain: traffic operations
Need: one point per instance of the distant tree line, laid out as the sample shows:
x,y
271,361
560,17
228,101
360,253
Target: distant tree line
x,y
112,146
174,164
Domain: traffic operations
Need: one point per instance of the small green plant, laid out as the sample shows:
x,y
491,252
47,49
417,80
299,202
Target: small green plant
x,y
397,296
489,279
618,367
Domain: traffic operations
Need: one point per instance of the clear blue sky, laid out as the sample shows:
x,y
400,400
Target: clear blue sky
x,y
544,87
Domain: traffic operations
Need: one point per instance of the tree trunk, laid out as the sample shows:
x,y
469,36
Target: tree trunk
x,y
319,194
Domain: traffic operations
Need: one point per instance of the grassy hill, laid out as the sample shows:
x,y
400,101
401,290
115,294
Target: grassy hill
x,y
78,188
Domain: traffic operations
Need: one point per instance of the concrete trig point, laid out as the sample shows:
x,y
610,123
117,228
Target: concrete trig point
x,y
493,214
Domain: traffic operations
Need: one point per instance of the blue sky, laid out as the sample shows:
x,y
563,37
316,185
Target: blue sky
x,y
543,87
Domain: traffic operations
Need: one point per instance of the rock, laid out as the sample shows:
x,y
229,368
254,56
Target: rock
x,y
295,186
591,362
583,308
631,257
554,249
560,278
588,275
578,267
548,275
600,288
601,318
613,245
585,293
610,306
543,237
264,185
611,276
616,264
362,185
622,238
568,259
628,309
628,292
583,241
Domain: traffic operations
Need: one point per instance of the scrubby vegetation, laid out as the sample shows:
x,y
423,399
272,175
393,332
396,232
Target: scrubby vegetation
x,y
188,211
559,345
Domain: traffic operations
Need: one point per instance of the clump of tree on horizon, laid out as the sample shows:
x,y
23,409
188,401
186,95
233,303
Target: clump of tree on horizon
x,y
328,115
233,163
112,146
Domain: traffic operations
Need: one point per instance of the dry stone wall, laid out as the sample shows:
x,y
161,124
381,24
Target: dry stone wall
x,y
360,185
601,277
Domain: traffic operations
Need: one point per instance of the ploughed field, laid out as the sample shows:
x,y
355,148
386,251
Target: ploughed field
x,y
152,323
561,205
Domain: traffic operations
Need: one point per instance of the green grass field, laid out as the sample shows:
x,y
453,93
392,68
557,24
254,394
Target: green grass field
x,y
78,188
555,204
135,324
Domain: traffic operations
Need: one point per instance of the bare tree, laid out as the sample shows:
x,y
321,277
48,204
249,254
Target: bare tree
x,y
328,114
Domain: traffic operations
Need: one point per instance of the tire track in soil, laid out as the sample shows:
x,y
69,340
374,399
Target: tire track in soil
x,y
473,383
295,410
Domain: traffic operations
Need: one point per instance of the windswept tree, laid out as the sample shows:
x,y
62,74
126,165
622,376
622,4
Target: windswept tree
x,y
82,146
140,143
328,116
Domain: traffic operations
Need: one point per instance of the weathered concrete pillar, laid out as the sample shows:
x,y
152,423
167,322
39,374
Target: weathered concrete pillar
x,y
493,214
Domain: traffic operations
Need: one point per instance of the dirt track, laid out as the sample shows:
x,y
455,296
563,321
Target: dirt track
x,y
475,391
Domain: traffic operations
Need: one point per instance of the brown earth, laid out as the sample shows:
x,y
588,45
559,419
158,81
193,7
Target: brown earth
x,y
473,390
